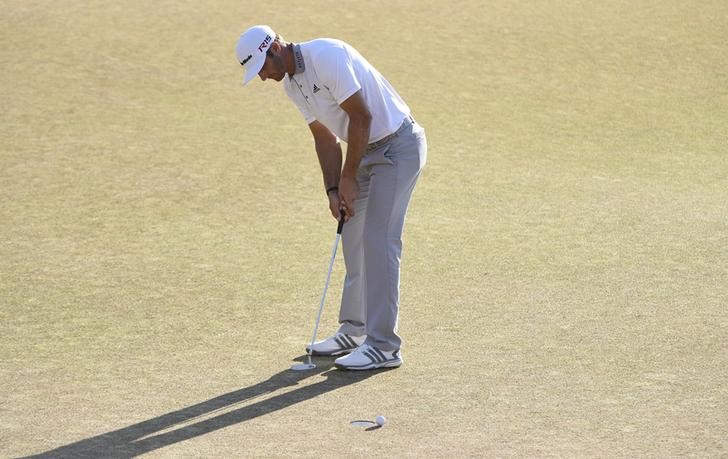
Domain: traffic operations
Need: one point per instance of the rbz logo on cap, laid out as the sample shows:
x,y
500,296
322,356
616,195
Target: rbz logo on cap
x,y
264,44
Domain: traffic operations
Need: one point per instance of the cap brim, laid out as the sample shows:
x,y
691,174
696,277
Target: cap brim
x,y
253,68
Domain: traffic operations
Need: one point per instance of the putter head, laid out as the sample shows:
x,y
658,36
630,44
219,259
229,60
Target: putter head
x,y
303,366
309,365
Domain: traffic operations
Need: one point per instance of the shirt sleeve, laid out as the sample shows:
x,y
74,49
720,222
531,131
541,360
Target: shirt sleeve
x,y
307,115
336,71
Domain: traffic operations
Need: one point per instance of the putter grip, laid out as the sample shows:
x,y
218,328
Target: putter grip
x,y
341,222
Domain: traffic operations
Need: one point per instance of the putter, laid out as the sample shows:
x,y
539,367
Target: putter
x,y
310,365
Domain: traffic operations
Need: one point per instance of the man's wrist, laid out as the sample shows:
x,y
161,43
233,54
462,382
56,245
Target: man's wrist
x,y
330,189
348,171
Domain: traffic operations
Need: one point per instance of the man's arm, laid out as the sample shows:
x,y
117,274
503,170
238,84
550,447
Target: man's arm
x,y
360,121
329,154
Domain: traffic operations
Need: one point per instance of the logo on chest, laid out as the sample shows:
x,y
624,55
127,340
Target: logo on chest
x,y
316,88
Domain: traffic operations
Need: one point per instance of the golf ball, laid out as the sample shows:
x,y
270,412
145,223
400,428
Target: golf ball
x,y
380,420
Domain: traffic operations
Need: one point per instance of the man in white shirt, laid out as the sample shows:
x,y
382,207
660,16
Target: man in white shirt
x,y
342,96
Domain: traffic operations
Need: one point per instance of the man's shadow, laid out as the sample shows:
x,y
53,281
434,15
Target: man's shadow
x,y
159,432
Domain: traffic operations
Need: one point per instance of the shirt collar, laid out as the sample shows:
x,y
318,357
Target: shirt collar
x,y
298,59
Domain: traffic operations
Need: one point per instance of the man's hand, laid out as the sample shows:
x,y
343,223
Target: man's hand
x,y
348,192
335,205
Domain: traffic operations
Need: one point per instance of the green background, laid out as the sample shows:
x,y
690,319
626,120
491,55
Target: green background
x,y
164,234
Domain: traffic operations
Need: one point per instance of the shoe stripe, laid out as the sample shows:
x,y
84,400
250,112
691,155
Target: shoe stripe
x,y
342,341
373,356
380,353
351,341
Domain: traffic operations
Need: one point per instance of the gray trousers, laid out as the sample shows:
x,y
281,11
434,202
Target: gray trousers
x,y
372,239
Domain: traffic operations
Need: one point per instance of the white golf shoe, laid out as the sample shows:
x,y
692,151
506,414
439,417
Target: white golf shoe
x,y
367,357
338,344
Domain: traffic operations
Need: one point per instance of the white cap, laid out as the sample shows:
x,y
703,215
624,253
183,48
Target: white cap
x,y
251,49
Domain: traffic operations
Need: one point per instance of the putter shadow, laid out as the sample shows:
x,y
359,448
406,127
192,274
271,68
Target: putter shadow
x,y
165,430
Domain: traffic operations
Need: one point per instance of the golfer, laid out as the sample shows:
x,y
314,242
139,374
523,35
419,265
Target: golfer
x,y
341,96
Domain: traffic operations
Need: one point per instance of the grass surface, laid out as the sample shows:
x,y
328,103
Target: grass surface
x,y
164,237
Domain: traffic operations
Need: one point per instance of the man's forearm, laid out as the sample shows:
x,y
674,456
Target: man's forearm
x,y
356,146
330,158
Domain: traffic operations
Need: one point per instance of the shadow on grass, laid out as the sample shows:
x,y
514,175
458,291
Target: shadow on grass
x,y
201,419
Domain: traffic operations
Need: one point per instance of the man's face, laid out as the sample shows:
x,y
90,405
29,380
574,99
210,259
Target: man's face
x,y
273,67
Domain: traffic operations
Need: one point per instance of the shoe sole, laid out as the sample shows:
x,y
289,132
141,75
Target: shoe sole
x,y
371,366
332,353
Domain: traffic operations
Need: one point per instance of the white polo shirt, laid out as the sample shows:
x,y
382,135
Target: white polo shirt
x,y
330,73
